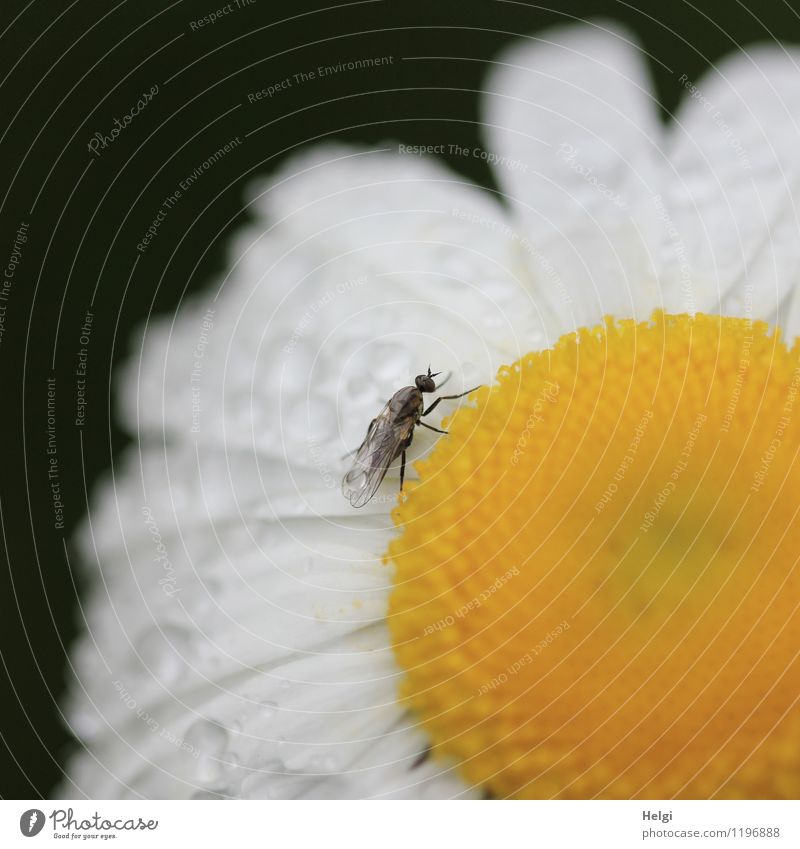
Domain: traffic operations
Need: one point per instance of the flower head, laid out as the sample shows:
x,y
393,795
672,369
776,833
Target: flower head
x,y
585,549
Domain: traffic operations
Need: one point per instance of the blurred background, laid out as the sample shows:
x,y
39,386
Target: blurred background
x,y
78,197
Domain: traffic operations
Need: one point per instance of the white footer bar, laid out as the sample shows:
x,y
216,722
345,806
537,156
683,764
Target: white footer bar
x,y
402,825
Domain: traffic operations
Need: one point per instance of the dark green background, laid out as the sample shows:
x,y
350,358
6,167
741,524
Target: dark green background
x,y
84,224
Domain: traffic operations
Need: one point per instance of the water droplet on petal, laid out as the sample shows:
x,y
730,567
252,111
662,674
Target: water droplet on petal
x,y
280,369
289,787
163,652
499,289
86,723
256,787
310,418
326,764
262,783
208,741
460,268
359,390
494,320
208,794
268,709
390,362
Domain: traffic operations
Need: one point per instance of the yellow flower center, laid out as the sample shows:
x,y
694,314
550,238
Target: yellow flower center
x,y
597,584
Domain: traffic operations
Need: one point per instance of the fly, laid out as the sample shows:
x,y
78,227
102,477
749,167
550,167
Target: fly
x,y
388,436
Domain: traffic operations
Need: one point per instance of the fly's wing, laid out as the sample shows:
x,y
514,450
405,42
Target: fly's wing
x,y
381,445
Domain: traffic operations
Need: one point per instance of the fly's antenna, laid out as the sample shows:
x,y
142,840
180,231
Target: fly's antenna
x,y
441,383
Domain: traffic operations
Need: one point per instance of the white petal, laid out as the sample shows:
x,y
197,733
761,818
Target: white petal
x,y
363,269
571,112
269,733
396,767
735,151
183,596
223,557
231,650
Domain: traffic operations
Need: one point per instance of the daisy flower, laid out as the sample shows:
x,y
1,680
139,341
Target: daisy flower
x,y
589,587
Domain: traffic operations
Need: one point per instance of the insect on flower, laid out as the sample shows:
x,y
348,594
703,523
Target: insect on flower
x,y
388,436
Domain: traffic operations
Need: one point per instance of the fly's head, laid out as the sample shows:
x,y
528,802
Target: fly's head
x,y
425,383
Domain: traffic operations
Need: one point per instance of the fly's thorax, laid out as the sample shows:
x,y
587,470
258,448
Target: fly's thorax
x,y
406,402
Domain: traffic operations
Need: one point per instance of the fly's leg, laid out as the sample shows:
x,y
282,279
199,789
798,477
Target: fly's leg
x,y
447,398
403,459
431,427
